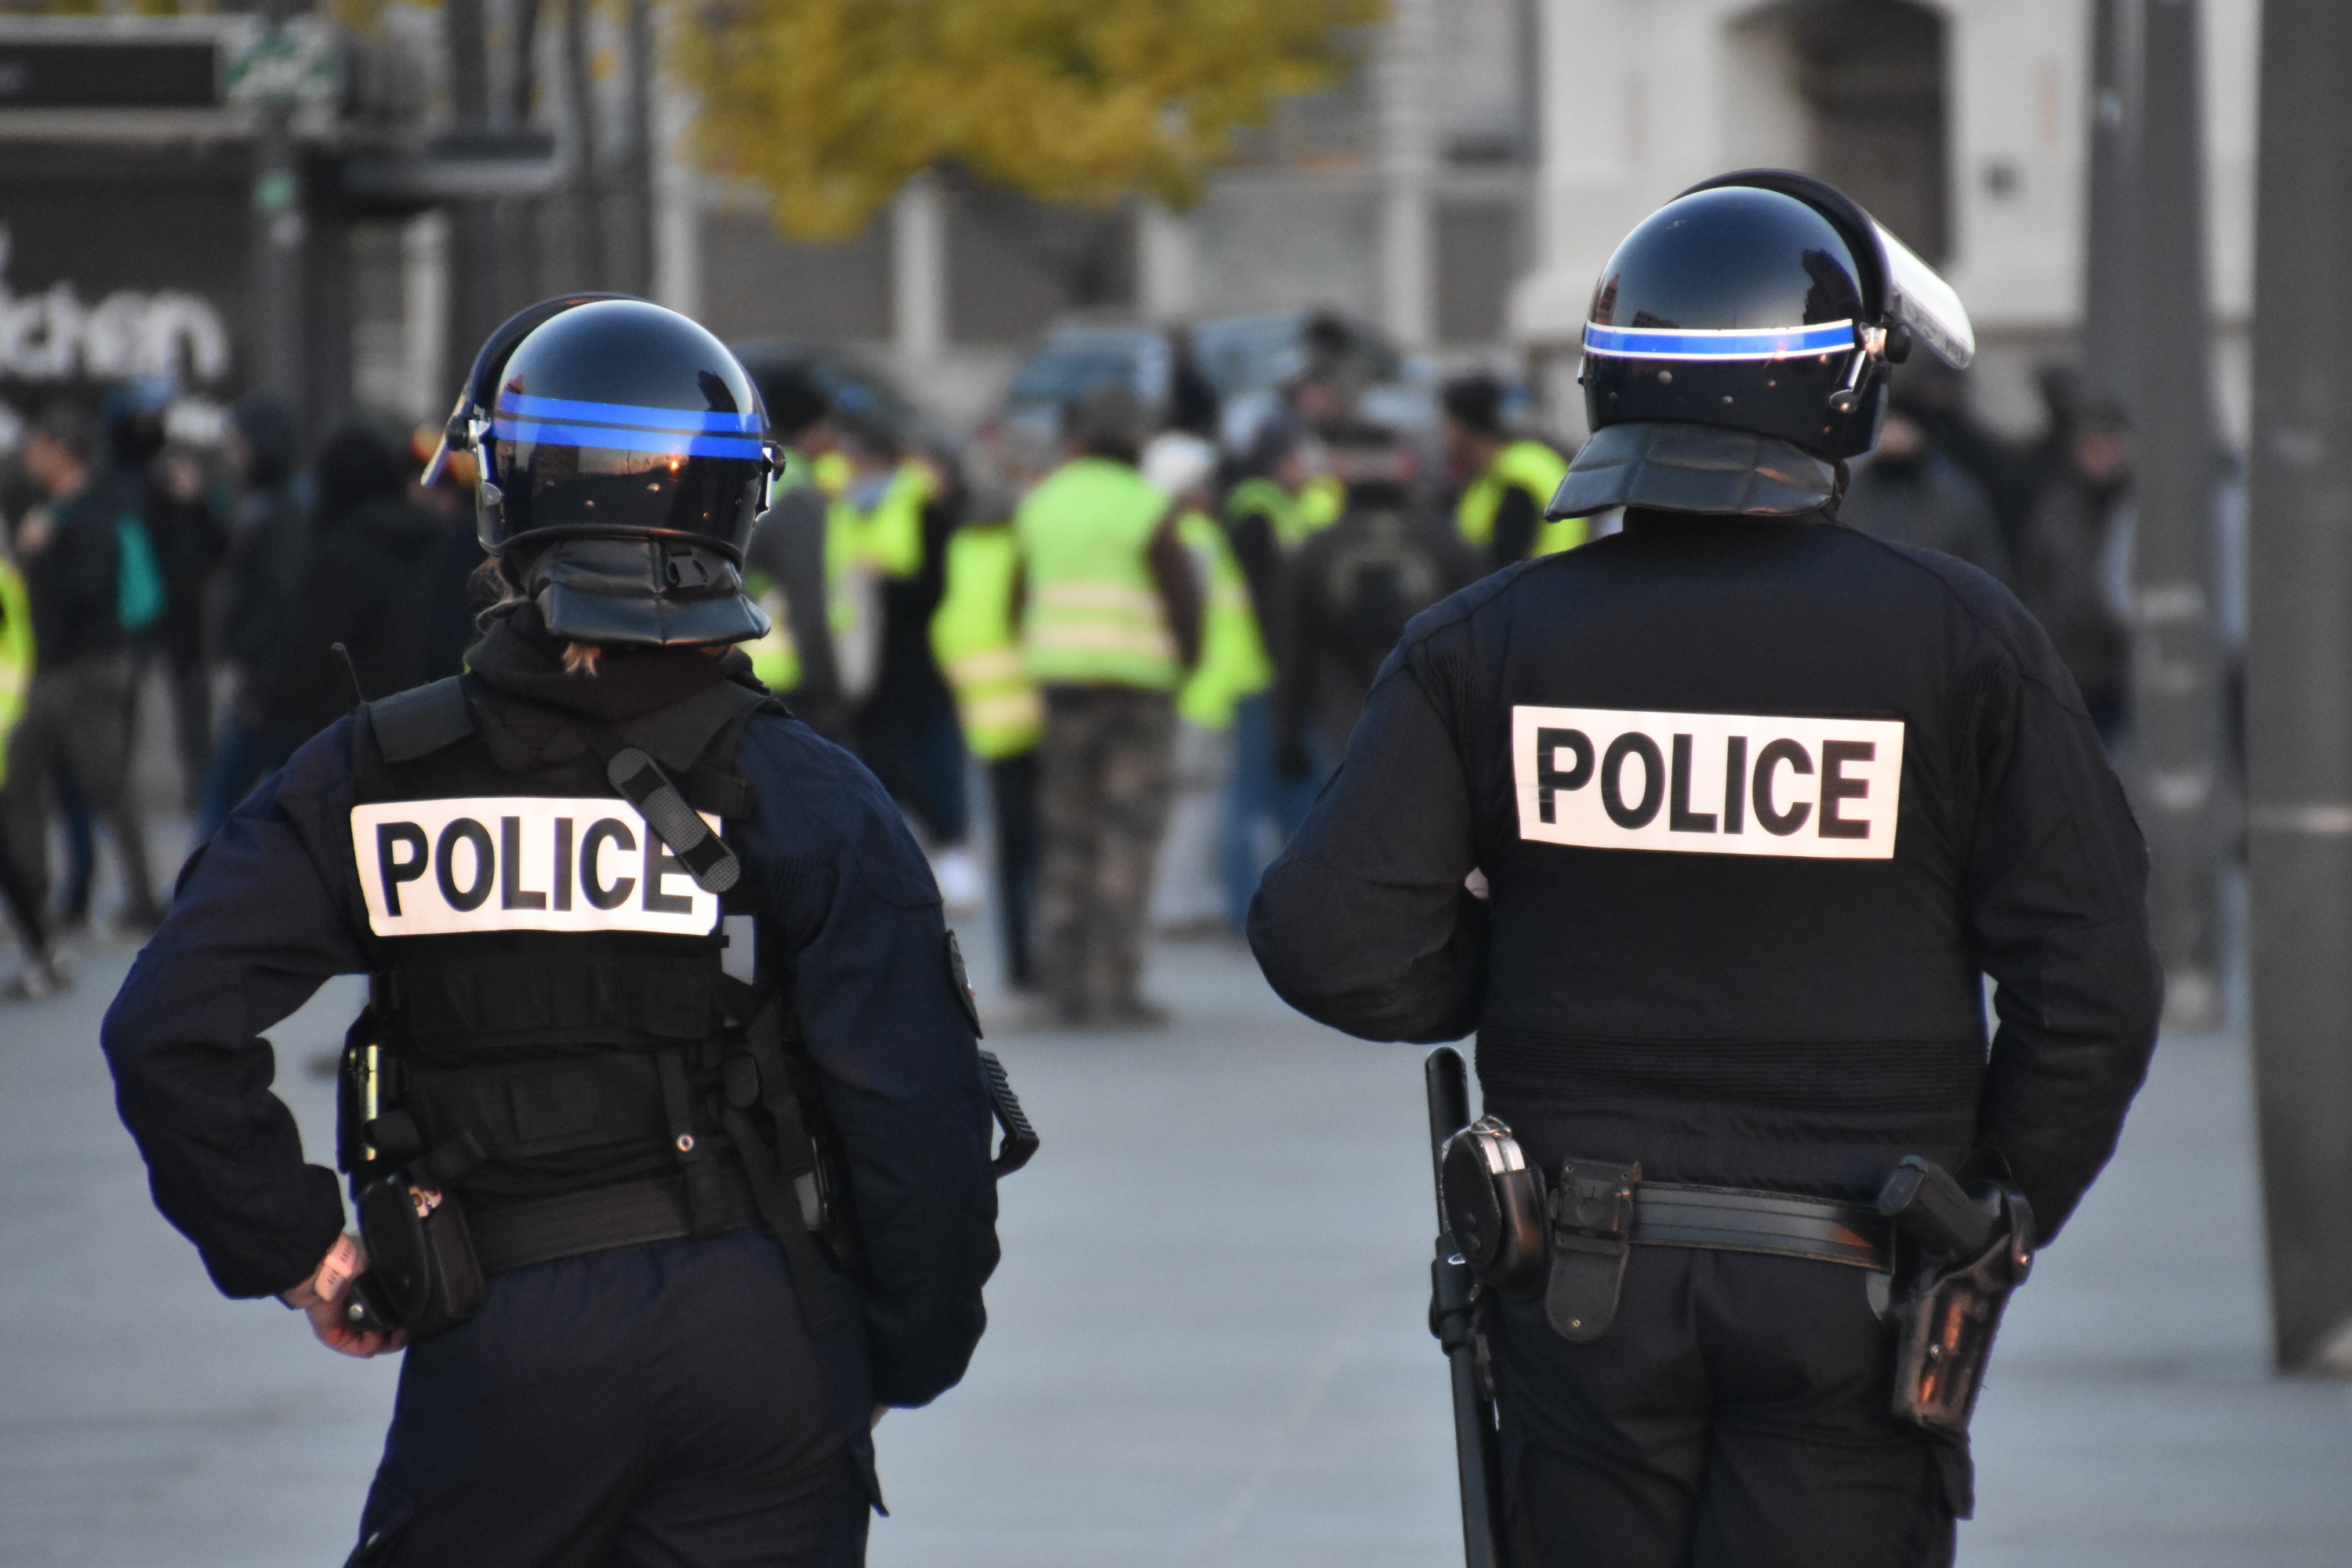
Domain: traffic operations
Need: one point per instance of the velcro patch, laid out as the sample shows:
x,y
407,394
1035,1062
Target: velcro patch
x,y
1710,784
488,863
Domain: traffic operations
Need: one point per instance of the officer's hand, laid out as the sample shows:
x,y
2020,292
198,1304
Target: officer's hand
x,y
320,1298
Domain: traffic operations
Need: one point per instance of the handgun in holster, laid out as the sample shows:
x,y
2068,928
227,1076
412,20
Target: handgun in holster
x,y
422,1276
1960,1255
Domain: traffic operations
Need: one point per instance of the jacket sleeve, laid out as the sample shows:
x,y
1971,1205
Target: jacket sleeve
x,y
1363,922
256,926
902,1076
2057,906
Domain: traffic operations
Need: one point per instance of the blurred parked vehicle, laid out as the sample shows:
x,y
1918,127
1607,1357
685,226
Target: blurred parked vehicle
x,y
1248,360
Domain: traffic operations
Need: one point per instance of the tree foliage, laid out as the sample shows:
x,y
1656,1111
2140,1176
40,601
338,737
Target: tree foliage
x,y
832,105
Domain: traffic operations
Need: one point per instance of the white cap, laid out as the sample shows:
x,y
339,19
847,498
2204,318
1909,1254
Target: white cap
x,y
1178,463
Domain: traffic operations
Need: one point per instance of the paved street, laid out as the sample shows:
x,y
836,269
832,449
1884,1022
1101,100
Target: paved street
x,y
1207,1345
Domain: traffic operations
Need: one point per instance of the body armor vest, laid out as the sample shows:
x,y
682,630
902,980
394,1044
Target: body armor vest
x,y
553,1038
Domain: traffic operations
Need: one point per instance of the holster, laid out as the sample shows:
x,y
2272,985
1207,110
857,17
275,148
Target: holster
x,y
1946,1321
1591,1224
422,1275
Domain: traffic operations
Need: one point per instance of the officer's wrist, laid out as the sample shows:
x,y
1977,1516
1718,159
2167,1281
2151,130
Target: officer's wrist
x,y
328,1281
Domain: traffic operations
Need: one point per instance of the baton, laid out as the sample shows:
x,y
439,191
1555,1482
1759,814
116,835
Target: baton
x,y
1453,1318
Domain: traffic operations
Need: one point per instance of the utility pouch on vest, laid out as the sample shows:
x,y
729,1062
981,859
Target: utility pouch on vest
x,y
422,1274
1591,1212
1970,1254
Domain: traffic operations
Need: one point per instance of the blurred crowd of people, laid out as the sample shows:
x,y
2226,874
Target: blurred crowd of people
x,y
1147,656
231,569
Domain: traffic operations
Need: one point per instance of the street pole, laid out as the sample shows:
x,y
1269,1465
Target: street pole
x,y
476,301
2177,722
637,239
277,235
2109,309
2299,677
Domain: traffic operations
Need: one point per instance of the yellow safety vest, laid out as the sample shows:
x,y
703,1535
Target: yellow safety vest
x,y
776,658
1529,466
15,652
887,537
1234,662
1321,499
979,648
1094,614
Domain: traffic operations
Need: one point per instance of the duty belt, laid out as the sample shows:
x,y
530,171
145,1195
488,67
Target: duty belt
x,y
630,1214
1596,1212
1739,1219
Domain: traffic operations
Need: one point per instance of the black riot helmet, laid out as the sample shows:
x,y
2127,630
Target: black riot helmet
x,y
623,456
1753,313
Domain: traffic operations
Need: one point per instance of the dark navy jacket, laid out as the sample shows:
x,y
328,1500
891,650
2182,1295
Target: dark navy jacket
x,y
844,900
1704,987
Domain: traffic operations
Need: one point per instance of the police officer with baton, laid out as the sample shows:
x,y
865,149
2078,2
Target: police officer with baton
x,y
668,1132
1709,830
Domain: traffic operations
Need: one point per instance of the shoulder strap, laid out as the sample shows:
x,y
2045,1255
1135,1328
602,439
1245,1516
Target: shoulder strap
x,y
678,733
421,721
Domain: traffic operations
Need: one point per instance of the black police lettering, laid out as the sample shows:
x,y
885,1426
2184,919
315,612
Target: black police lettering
x,y
1851,814
1633,743
1548,778
394,872
1837,786
601,895
512,894
1782,823
530,850
465,830
562,863
1680,817
660,863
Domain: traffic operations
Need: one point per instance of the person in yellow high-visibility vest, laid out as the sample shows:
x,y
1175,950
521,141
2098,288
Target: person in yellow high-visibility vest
x,y
1511,479
1188,892
1109,623
45,970
1267,517
785,565
885,548
978,644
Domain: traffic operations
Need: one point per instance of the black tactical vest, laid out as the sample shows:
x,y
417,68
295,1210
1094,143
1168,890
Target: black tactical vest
x,y
557,1042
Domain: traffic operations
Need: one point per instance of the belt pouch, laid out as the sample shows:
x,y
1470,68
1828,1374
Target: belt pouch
x,y
1591,1231
422,1276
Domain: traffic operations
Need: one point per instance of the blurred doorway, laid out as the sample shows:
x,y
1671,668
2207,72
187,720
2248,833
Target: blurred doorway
x,y
1852,90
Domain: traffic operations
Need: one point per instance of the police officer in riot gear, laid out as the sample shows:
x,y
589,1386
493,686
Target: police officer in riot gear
x,y
667,1122
1749,802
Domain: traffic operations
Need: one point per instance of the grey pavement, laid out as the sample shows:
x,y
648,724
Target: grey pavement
x,y
1207,1344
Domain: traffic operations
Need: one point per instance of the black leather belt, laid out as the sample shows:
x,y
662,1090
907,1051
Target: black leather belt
x,y
632,1213
1736,1219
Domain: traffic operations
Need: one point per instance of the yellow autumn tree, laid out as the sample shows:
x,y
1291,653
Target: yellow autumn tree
x,y
832,105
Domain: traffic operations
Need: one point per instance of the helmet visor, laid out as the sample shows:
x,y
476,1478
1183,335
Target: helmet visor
x,y
569,467
1918,297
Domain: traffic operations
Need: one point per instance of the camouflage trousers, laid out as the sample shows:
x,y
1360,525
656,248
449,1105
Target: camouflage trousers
x,y
1108,771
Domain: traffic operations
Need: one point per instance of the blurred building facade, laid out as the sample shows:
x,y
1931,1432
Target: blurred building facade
x,y
1964,125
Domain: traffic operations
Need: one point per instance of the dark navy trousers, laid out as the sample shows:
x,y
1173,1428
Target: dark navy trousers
x,y
659,1405
1735,1416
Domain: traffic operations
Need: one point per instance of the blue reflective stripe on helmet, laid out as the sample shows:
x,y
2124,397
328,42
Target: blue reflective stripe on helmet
x,y
662,443
630,414
1677,343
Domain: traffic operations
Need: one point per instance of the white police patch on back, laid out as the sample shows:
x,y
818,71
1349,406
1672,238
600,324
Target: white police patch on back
x,y
1710,784
491,863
